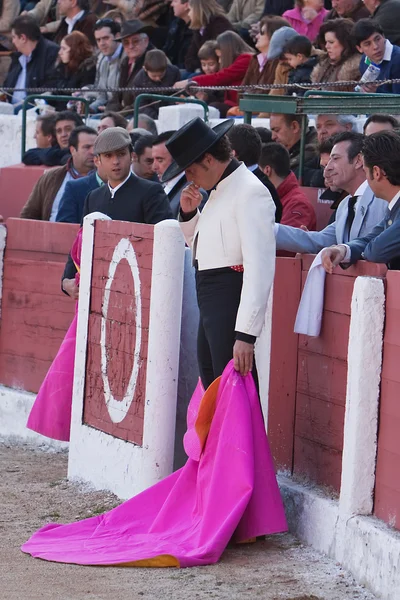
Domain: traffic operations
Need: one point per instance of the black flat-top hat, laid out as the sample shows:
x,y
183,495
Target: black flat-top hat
x,y
132,27
190,142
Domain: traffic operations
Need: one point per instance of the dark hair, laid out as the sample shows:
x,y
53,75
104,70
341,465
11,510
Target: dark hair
x,y
148,123
26,25
221,150
325,147
48,125
272,23
155,61
356,142
81,49
74,135
144,141
119,120
342,28
69,115
265,134
246,143
83,4
207,50
277,157
163,137
364,28
300,44
382,149
379,118
113,26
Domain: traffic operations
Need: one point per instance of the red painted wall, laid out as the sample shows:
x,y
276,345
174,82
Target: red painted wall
x,y
16,184
35,313
387,485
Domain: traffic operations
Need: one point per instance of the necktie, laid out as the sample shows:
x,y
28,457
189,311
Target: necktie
x,y
350,215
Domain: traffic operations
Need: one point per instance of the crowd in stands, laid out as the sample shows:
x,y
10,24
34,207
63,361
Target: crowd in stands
x,y
177,47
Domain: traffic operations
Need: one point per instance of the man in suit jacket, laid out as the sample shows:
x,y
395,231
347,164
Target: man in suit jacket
x,y
162,159
381,154
125,197
76,17
356,215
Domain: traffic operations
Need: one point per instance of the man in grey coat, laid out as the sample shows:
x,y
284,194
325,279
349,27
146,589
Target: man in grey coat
x,y
356,215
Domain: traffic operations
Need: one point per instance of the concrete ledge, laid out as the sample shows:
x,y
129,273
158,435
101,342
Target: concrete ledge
x,y
15,406
365,546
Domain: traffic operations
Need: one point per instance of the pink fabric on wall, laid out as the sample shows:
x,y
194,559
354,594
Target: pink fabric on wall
x,y
228,490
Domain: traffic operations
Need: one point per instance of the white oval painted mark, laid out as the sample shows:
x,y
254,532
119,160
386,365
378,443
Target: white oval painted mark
x,y
118,408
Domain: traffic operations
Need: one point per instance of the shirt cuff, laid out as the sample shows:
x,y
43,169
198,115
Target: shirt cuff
x,y
245,337
347,256
187,216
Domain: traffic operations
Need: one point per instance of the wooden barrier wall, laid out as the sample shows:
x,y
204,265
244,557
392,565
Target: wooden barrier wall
x,y
16,184
387,484
35,313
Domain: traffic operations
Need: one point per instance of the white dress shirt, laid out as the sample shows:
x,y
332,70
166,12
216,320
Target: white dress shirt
x,y
71,22
113,191
172,183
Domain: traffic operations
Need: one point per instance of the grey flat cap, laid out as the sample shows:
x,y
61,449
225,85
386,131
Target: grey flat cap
x,y
111,139
278,41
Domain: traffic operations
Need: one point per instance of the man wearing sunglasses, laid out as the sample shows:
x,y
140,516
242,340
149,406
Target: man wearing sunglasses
x,y
136,43
111,53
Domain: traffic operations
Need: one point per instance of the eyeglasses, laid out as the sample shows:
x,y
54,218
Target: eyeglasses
x,y
130,42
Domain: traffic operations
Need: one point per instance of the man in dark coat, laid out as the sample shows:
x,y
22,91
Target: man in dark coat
x,y
136,43
348,9
76,17
179,34
34,59
124,198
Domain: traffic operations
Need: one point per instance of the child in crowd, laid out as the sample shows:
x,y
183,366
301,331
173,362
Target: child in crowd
x,y
156,73
298,53
209,61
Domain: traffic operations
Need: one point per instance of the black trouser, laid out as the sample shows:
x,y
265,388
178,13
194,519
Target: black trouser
x,y
218,297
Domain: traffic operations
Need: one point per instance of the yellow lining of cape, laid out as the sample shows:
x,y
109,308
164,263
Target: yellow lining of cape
x,y
162,560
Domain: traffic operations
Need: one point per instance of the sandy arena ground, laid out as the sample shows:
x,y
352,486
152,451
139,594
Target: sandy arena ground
x,y
34,491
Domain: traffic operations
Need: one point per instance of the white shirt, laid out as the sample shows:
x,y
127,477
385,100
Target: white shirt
x,y
172,183
113,191
394,200
59,195
388,51
21,81
71,22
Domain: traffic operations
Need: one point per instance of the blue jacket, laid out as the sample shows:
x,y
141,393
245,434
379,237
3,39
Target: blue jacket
x,y
73,198
390,69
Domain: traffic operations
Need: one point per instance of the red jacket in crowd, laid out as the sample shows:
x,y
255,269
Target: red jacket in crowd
x,y
232,75
296,207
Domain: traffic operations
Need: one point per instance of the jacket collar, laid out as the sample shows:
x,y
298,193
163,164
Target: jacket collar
x,y
287,186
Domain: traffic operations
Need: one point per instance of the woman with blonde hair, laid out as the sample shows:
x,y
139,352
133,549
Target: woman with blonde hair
x,y
234,57
207,20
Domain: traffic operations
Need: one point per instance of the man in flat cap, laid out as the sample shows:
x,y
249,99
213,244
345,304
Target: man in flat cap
x,y
125,197
232,241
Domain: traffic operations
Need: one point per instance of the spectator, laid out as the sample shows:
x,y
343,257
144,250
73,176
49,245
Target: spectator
x,y
162,159
47,15
286,129
72,202
331,192
265,134
234,55
45,136
297,210
75,17
207,20
381,155
179,34
377,53
357,214
111,119
348,9
297,53
277,44
66,122
115,15
76,67
9,10
136,43
329,125
243,13
108,62
158,74
387,14
246,146
342,61
378,122
209,59
277,7
142,158
307,17
115,198
44,200
34,58
147,123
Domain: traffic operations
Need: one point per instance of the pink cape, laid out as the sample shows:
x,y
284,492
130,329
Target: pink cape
x,y
51,412
226,489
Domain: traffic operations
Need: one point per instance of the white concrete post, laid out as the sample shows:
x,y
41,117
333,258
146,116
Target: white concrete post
x,y
362,397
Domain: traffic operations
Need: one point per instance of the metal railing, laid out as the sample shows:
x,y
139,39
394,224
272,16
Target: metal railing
x,y
31,97
171,100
